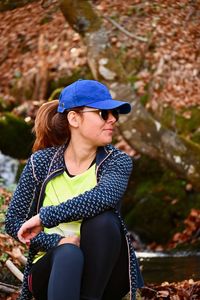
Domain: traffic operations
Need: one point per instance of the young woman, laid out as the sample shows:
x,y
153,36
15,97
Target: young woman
x,y
67,203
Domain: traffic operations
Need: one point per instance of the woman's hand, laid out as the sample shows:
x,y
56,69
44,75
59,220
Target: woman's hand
x,y
71,239
30,229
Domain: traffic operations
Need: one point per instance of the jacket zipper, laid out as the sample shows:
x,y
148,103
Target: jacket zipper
x,y
101,163
57,172
125,235
127,242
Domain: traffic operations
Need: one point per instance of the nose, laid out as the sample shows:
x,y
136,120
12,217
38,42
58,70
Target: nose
x,y
111,118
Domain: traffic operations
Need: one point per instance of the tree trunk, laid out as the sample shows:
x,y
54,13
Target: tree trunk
x,y
141,131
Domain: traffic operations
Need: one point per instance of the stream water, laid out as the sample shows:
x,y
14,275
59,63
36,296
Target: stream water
x,y
8,170
160,267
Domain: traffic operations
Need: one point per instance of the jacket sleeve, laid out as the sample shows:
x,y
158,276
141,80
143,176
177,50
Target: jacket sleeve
x,y
104,196
19,208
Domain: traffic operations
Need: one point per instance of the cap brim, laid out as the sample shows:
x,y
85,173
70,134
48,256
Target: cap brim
x,y
123,107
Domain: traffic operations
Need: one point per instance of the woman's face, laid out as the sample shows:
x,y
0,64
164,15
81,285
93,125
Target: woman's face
x,y
94,129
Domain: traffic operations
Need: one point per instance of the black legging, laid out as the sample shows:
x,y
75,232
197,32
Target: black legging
x,y
97,270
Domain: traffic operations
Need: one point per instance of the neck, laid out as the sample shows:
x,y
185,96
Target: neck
x,y
78,159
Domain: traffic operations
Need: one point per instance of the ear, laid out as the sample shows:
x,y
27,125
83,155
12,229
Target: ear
x,y
73,119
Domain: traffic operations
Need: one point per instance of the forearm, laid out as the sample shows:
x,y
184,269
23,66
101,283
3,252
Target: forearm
x,y
44,241
75,209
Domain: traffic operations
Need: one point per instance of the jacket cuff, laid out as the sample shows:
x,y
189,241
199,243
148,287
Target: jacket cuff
x,y
48,216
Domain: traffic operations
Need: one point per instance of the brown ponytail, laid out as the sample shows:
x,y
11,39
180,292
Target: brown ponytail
x,y
51,128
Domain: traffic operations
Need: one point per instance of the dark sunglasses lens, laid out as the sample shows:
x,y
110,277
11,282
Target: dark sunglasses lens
x,y
115,114
105,113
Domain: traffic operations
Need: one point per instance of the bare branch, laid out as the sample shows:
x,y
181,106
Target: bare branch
x,y
17,254
14,270
8,288
131,35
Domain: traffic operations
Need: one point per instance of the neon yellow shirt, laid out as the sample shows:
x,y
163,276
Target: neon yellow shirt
x,y
62,188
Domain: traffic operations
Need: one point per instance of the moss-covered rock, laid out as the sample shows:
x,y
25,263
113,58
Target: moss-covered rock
x,y
10,4
16,136
157,202
185,121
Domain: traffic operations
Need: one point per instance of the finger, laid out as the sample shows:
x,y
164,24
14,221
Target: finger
x,y
22,240
28,243
19,235
22,236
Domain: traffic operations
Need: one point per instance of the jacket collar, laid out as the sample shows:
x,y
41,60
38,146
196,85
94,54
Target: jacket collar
x,y
58,162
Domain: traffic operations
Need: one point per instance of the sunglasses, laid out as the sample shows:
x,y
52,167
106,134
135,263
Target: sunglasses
x,y
104,113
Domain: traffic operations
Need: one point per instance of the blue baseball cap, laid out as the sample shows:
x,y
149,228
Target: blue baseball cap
x,y
89,93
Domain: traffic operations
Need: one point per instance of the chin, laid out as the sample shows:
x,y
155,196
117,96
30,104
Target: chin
x,y
106,142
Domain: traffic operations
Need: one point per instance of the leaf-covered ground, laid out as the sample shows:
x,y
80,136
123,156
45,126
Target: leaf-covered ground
x,y
164,70
186,290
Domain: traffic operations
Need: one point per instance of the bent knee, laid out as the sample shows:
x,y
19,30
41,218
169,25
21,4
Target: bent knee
x,y
68,252
105,221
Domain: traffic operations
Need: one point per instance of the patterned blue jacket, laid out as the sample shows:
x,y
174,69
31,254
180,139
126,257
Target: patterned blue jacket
x,y
112,171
